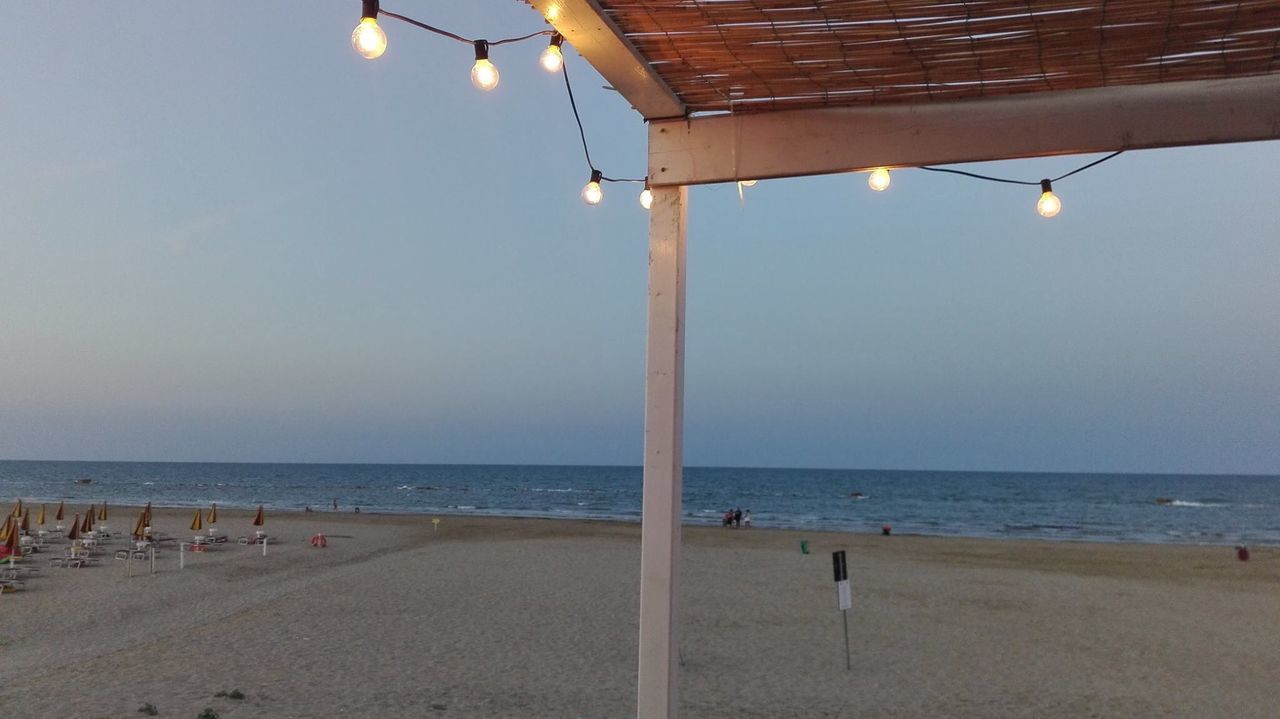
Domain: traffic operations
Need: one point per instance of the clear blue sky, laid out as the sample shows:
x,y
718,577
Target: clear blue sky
x,y
228,237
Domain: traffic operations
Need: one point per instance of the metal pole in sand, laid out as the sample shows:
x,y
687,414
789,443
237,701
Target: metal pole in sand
x,y
848,665
153,559
182,555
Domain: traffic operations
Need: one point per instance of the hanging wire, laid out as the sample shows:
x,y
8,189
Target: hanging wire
x,y
1085,167
564,70
582,133
459,38
989,178
522,38
568,86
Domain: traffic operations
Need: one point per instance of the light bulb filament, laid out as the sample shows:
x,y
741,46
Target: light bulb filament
x,y
592,194
484,74
1048,205
879,179
368,39
552,59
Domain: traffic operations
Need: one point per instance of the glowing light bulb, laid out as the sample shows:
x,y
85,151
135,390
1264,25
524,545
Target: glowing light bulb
x,y
552,59
1049,205
646,197
592,194
484,74
879,179
368,39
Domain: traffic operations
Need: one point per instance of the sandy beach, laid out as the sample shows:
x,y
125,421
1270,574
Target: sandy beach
x,y
537,618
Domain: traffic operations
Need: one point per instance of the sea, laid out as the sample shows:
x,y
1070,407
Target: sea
x,y
1192,509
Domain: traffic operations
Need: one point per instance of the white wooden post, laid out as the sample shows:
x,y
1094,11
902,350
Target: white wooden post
x,y
663,457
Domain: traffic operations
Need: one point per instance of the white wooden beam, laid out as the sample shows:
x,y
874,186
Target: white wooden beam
x,y
663,458
586,27
724,148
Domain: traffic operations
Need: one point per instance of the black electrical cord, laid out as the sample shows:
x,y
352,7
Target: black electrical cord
x,y
1018,182
459,38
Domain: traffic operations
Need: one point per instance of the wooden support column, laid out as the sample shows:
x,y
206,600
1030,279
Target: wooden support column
x,y
663,458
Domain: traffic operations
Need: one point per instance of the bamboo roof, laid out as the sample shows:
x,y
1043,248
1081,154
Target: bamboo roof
x,y
763,55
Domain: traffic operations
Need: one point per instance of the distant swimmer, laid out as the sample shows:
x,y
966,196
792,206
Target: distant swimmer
x,y
857,495
1164,500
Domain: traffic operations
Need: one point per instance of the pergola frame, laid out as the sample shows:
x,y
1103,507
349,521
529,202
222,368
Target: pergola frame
x,y
687,149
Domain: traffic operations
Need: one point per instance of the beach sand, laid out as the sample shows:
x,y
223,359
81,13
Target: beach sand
x,y
537,618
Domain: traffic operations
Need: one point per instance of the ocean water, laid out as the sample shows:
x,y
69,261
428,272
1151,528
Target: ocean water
x,y
1204,509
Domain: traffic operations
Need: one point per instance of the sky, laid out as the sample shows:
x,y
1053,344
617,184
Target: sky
x,y
227,237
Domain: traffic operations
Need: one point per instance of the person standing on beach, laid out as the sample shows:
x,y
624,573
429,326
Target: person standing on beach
x,y
746,519
737,518
335,504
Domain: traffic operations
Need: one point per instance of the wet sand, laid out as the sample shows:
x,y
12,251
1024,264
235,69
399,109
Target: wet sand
x,y
537,618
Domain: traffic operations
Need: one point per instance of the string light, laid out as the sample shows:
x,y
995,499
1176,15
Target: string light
x,y
592,194
879,179
484,74
368,39
552,59
1048,205
371,42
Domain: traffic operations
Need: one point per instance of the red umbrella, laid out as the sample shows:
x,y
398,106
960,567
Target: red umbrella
x,y
26,521
58,516
75,529
258,519
87,524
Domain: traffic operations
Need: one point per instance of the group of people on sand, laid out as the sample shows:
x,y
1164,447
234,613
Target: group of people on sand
x,y
736,518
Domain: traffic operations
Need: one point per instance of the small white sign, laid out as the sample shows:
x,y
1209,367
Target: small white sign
x,y
844,594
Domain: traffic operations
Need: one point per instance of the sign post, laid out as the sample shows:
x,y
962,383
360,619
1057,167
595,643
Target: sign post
x,y
844,597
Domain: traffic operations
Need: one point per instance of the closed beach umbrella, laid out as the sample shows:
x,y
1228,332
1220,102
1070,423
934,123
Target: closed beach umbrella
x,y
11,540
87,523
140,527
17,508
198,523
40,516
26,521
146,511
258,519
75,529
58,516
213,514
102,513
6,529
